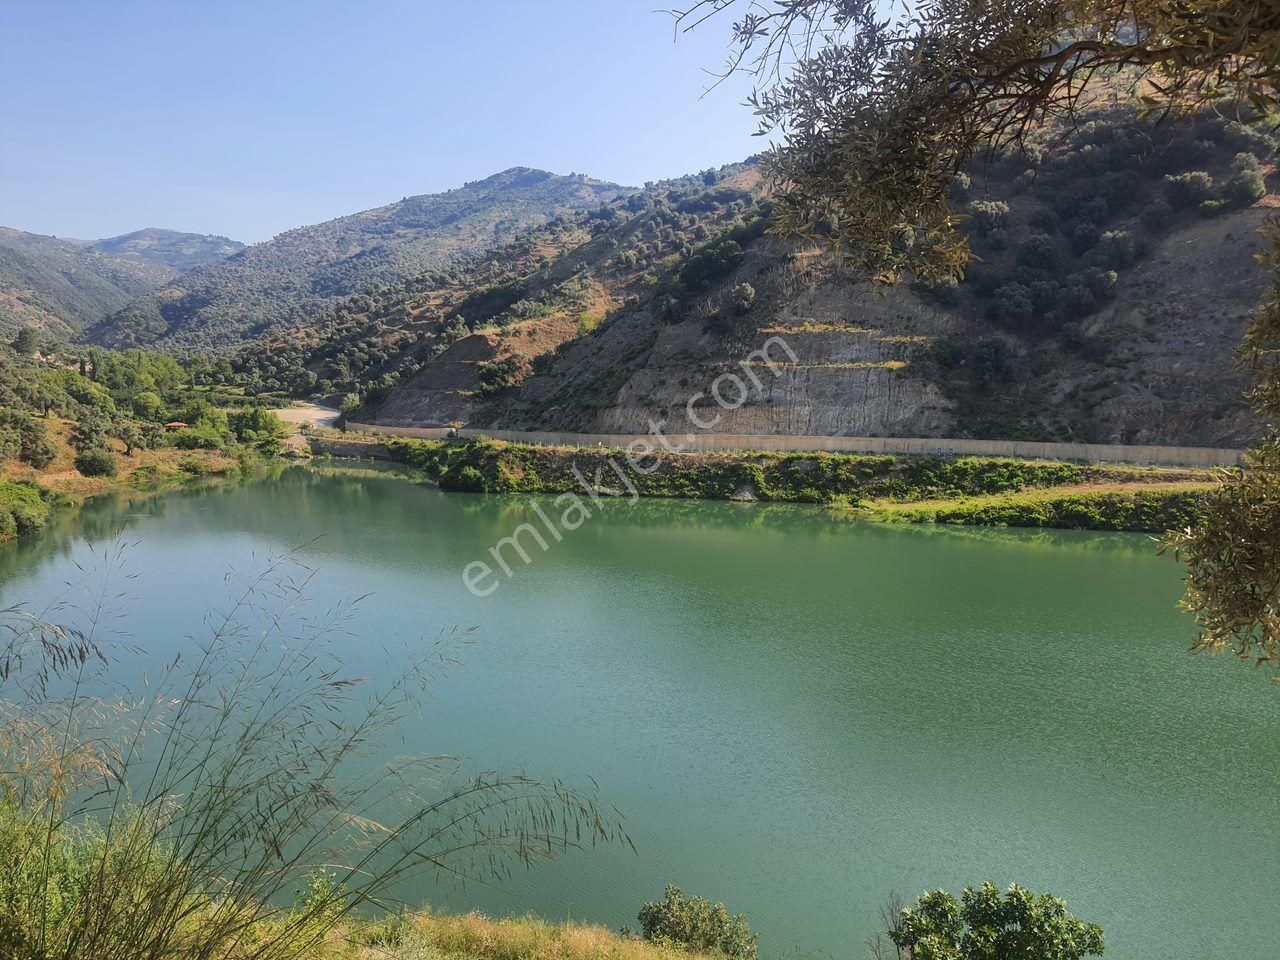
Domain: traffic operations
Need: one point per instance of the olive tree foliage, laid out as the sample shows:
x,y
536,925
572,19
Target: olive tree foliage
x,y
879,116
1233,557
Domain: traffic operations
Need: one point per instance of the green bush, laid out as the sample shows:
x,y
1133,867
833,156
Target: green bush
x,y
1014,304
1188,189
463,477
1116,249
984,925
988,214
256,425
697,924
1038,252
1246,188
23,509
97,462
1083,234
39,452
193,438
1157,215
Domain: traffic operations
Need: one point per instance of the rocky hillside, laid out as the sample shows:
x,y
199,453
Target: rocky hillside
x,y
174,252
1113,279
457,335
292,278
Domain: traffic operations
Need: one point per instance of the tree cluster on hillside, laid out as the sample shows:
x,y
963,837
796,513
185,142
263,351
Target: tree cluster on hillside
x,y
613,252
132,400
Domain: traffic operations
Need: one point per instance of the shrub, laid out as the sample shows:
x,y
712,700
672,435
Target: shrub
x,y
1188,189
255,424
983,925
1038,252
743,297
1245,161
466,478
717,259
1116,249
1245,189
1013,303
190,438
96,462
90,432
1083,234
148,405
697,924
945,293
1078,300
1157,215
1046,219
39,452
988,214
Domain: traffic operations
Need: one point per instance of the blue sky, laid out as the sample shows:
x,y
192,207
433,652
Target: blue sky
x,y
247,119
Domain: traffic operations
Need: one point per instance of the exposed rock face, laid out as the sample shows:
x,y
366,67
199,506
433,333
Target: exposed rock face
x,y
792,380
442,394
1183,311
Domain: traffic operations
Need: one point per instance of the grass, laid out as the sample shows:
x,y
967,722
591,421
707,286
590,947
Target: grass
x,y
425,935
1147,508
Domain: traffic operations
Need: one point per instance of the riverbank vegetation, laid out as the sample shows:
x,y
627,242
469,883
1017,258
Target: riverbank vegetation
x,y
962,490
73,425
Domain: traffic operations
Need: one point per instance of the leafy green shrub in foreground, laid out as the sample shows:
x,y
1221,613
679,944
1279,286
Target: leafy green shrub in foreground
x,y
984,925
697,924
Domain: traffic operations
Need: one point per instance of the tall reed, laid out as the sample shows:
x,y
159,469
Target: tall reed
x,y
230,806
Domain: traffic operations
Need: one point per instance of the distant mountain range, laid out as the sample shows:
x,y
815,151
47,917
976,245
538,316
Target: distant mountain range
x,y
62,286
171,249
293,277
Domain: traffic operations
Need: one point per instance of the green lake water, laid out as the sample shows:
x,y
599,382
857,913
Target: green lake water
x,y
798,715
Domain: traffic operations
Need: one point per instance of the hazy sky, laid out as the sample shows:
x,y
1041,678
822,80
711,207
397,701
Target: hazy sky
x,y
247,119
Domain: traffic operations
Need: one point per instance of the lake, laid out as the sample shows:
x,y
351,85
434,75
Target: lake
x,y
797,714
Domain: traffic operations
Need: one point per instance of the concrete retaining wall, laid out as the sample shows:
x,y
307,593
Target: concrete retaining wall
x,y
1036,450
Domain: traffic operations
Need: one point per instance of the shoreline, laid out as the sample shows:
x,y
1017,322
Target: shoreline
x,y
976,491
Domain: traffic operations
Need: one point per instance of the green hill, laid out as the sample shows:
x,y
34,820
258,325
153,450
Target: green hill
x,y
293,277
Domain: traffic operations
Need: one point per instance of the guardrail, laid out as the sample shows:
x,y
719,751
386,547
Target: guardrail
x,y
1147,455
